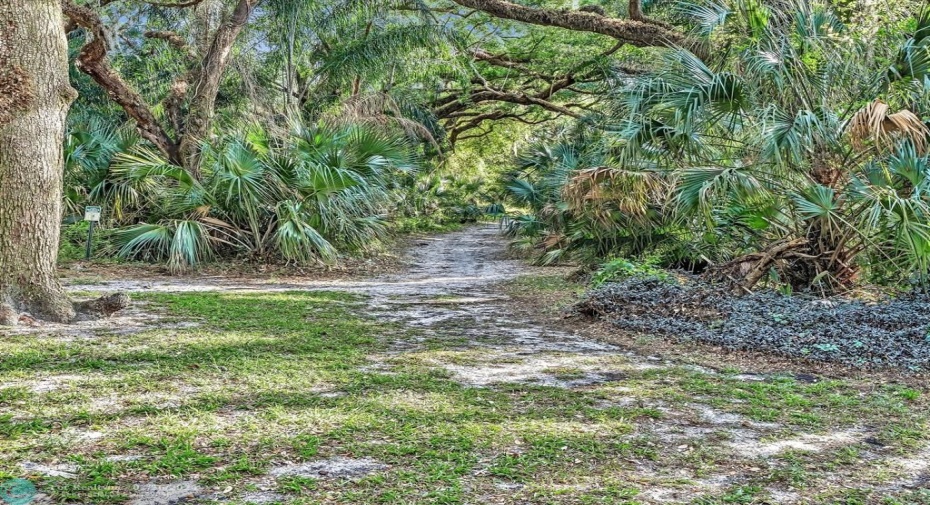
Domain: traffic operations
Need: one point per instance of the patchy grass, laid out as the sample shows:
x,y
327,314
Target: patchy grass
x,y
546,292
528,285
269,380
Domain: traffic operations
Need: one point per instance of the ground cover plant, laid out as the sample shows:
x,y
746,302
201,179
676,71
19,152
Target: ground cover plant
x,y
884,333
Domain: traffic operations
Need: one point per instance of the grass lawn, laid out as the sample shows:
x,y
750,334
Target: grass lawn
x,y
268,382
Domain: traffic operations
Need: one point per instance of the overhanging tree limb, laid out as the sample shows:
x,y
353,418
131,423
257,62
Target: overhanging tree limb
x,y
463,110
641,33
189,3
176,41
92,60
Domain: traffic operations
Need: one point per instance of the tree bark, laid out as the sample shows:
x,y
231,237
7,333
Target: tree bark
x,y
92,60
207,85
635,10
35,100
631,31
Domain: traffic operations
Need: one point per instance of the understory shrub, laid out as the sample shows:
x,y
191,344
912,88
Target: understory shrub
x,y
73,243
299,197
796,154
621,268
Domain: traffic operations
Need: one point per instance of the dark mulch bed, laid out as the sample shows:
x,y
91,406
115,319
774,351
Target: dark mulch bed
x,y
892,333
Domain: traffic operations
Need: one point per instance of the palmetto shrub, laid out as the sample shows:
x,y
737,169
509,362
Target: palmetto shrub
x,y
790,142
89,152
796,154
578,201
298,198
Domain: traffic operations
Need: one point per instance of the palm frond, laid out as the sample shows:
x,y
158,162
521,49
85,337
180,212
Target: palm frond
x,y
876,123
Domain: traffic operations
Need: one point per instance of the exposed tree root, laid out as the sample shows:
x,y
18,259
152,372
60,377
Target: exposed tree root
x,y
8,315
797,262
102,307
98,308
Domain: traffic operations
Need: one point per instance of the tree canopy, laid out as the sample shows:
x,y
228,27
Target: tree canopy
x,y
777,140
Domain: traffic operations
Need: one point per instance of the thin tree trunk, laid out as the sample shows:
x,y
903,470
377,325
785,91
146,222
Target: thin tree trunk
x,y
207,85
290,71
636,10
34,99
357,82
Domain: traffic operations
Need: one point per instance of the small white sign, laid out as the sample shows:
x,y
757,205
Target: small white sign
x,y
92,214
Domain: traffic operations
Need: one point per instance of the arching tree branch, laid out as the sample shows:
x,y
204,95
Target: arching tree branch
x,y
188,3
172,39
640,33
200,86
92,60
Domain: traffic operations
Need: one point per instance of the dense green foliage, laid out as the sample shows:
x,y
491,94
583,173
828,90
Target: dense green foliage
x,y
299,196
806,141
786,142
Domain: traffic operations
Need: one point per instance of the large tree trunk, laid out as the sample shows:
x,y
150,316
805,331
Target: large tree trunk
x,y
34,99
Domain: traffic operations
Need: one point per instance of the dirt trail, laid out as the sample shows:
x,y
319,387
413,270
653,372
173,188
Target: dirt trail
x,y
452,289
458,319
449,290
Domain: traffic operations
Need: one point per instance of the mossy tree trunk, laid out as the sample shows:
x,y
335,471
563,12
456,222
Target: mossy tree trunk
x,y
34,100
